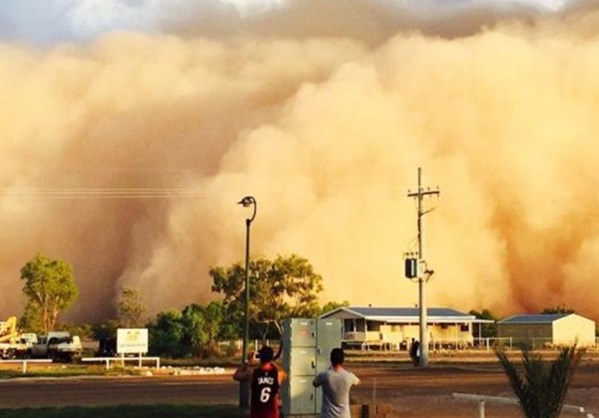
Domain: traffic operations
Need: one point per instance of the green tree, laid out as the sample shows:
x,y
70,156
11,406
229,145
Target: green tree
x,y
486,330
559,309
167,335
84,331
216,326
194,336
542,387
30,320
332,305
280,288
50,289
105,329
191,332
131,308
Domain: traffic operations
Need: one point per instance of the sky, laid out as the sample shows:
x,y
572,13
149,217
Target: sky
x,y
130,129
64,20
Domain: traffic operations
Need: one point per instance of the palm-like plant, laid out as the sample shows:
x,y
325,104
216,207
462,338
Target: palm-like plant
x,y
542,387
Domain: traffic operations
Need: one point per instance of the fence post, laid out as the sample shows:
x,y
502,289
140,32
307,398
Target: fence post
x,y
481,409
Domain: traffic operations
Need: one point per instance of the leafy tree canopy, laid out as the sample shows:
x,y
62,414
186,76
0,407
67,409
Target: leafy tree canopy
x,y
193,322
191,332
131,308
167,335
332,305
485,330
281,288
558,310
50,289
217,327
105,329
484,314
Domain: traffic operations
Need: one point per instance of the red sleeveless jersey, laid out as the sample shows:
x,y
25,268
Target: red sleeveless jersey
x,y
265,390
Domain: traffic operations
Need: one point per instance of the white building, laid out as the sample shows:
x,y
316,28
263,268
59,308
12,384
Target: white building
x,y
395,327
548,330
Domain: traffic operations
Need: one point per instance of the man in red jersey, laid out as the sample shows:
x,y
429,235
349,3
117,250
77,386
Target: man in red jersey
x,y
266,381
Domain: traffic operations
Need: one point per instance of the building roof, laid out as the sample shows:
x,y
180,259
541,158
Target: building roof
x,y
402,315
533,319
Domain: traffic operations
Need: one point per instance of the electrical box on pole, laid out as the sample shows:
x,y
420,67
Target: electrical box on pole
x,y
411,267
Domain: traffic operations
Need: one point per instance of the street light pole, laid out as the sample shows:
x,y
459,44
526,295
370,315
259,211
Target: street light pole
x,y
244,385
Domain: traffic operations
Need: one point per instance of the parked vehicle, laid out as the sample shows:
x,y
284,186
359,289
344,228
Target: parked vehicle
x,y
14,344
107,347
58,346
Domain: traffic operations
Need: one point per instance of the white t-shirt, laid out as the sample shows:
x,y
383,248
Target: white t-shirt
x,y
335,392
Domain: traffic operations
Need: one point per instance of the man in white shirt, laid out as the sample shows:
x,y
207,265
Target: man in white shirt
x,y
336,383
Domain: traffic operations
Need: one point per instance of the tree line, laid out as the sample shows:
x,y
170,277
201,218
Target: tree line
x,y
283,287
280,288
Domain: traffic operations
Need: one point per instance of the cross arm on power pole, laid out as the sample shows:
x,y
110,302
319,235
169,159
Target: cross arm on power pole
x,y
423,193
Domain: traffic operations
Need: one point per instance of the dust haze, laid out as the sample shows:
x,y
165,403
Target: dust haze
x,y
325,122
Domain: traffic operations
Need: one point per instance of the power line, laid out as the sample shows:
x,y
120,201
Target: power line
x,y
106,192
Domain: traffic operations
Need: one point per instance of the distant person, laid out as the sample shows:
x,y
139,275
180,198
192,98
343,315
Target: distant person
x,y
336,383
415,352
266,381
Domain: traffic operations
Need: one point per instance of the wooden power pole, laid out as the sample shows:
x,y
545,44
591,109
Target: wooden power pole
x,y
424,273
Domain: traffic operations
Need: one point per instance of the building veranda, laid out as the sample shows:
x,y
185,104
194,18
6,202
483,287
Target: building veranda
x,y
394,328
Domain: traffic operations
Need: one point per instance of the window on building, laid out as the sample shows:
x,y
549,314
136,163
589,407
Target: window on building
x,y
373,326
349,325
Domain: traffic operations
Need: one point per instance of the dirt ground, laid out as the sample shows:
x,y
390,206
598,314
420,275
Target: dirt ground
x,y
413,392
428,392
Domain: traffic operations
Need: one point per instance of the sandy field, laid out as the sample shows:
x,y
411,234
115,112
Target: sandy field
x,y
428,392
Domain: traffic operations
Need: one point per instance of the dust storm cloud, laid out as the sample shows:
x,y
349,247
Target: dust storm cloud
x,y
327,132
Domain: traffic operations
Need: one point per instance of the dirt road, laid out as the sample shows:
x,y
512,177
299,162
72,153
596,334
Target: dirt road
x,y
413,392
428,392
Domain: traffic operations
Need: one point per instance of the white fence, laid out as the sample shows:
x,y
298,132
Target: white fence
x,y
24,362
122,360
493,342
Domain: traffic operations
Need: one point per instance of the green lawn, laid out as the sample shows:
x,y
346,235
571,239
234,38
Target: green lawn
x,y
128,411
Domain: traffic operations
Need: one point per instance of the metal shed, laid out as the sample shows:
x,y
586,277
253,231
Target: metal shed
x,y
548,330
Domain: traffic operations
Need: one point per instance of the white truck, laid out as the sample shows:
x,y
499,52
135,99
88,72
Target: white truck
x,y
58,346
14,344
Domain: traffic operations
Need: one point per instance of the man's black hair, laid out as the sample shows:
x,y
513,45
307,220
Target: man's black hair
x,y
265,354
337,356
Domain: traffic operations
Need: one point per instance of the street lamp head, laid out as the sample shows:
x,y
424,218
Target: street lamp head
x,y
247,201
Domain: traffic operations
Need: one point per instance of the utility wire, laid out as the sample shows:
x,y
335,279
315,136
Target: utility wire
x,y
105,192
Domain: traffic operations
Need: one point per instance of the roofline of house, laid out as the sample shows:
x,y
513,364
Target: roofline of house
x,y
415,319
505,320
